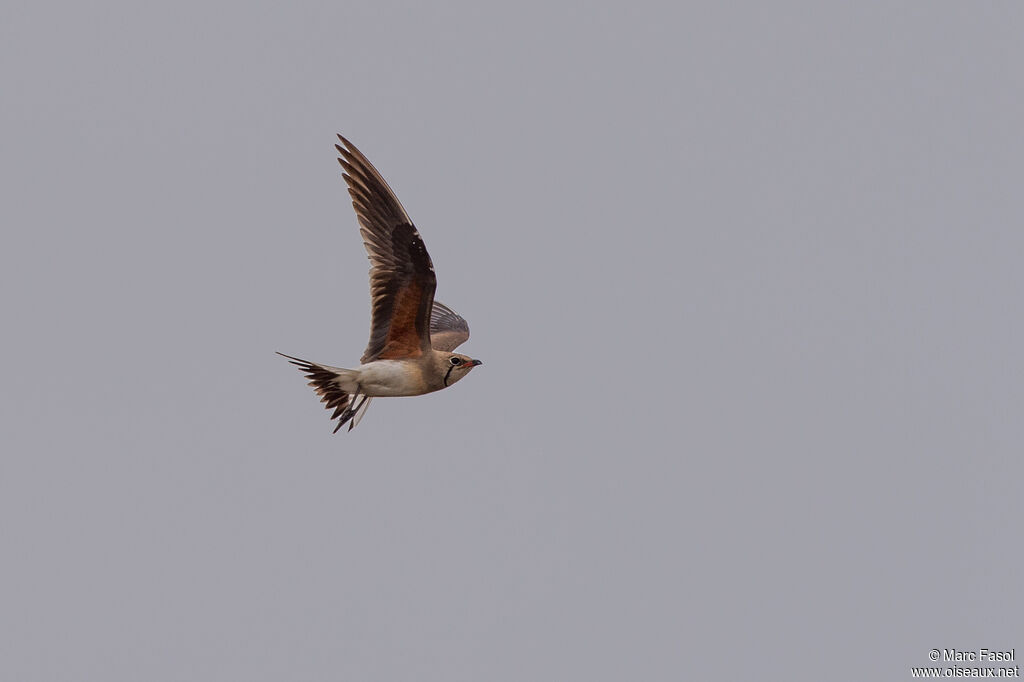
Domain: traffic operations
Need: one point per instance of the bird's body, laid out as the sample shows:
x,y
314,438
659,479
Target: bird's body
x,y
397,378
392,378
412,336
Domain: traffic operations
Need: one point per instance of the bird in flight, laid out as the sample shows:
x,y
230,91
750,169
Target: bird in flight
x,y
412,336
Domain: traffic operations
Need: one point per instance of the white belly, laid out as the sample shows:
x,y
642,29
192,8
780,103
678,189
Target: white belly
x,y
382,378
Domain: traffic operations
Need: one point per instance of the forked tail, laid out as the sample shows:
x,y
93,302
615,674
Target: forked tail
x,y
335,386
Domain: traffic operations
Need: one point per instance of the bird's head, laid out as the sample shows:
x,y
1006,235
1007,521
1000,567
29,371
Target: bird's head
x,y
455,366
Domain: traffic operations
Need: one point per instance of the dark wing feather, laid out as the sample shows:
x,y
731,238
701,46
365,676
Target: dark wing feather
x,y
402,279
448,330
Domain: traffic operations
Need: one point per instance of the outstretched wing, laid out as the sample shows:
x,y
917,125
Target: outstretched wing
x,y
402,279
448,330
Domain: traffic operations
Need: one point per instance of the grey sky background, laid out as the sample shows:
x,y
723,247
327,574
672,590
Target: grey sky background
x,y
745,279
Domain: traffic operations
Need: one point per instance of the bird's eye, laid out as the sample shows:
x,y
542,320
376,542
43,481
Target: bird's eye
x,y
456,361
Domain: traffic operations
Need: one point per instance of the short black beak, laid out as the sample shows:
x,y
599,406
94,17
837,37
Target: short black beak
x,y
477,362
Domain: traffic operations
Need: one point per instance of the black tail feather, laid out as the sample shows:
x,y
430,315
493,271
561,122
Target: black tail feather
x,y
325,382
